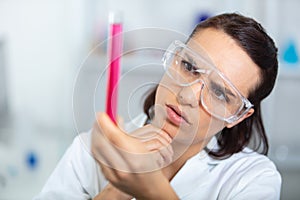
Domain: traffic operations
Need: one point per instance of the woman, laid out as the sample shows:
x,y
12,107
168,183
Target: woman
x,y
203,115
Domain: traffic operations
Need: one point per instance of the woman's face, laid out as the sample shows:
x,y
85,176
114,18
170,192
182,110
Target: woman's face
x,y
178,110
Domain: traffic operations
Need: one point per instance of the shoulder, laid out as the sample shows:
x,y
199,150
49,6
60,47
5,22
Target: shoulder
x,y
82,142
243,162
77,175
79,152
252,162
86,167
245,165
244,175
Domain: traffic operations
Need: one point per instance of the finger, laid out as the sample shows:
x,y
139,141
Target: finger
x,y
111,147
120,122
103,149
120,151
105,152
165,135
114,134
165,151
162,157
158,141
167,155
106,124
149,132
153,144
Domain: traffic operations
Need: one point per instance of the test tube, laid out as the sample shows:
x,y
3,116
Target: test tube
x,y
114,50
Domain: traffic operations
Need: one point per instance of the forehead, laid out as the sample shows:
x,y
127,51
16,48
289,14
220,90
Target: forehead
x,y
229,58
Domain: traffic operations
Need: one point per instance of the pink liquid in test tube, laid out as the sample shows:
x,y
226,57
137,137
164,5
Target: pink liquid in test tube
x,y
114,58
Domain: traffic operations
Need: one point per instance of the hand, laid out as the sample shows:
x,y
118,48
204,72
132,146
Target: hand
x,y
130,164
149,145
112,193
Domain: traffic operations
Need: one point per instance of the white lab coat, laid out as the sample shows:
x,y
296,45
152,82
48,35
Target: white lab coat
x,y
245,175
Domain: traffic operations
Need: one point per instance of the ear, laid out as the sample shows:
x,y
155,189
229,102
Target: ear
x,y
248,114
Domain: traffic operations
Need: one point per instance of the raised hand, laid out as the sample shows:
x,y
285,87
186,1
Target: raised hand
x,y
132,163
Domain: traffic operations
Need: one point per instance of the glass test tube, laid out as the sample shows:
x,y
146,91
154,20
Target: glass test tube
x,y
114,49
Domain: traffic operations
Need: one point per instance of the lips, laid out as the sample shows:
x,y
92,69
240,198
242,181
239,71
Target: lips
x,y
175,115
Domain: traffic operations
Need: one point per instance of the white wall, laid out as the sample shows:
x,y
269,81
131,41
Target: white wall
x,y
44,40
44,43
3,87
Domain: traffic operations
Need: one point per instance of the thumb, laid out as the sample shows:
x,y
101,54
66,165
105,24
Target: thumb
x,y
108,127
120,122
104,121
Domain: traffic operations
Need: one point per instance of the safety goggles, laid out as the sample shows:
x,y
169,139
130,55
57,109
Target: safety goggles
x,y
188,65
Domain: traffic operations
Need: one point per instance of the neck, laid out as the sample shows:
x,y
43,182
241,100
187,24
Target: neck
x,y
181,154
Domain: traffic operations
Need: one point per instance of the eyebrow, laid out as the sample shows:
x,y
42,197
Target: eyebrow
x,y
194,62
191,60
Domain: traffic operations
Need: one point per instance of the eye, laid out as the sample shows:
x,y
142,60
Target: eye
x,y
187,66
220,94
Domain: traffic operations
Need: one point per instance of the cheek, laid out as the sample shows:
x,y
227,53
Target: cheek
x,y
166,90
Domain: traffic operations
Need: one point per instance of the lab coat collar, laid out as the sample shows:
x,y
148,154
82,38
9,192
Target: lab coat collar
x,y
191,176
195,171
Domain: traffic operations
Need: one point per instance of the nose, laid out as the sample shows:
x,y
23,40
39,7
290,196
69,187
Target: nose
x,y
190,95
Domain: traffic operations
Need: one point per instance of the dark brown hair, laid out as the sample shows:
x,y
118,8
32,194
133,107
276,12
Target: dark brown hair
x,y
253,39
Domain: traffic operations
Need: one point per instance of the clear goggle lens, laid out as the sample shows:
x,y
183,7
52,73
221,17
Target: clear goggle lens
x,y
218,96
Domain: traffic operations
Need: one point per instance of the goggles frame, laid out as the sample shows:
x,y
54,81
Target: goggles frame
x,y
246,104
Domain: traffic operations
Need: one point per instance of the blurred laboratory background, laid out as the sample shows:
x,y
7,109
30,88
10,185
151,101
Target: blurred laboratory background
x,y
52,77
